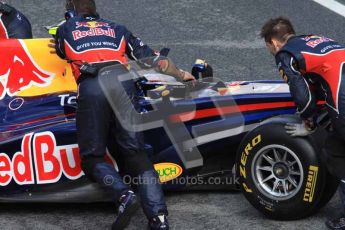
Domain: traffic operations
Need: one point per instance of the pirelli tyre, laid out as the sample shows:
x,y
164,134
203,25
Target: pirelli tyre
x,y
281,176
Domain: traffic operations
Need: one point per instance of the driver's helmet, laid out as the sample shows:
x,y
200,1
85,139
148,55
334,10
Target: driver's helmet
x,y
70,10
70,14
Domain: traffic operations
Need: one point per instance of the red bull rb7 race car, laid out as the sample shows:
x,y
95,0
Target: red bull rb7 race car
x,y
206,135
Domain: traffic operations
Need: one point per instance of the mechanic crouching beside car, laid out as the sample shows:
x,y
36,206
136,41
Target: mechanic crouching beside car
x,y
95,118
313,65
13,24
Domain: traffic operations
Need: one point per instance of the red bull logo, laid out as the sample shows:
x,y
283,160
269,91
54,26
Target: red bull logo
x,y
19,71
78,34
42,161
94,29
318,41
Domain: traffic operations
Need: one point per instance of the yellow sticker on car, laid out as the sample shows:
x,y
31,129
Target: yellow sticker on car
x,y
168,171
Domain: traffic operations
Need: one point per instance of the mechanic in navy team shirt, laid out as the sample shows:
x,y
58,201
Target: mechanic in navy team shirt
x,y
95,118
13,24
313,66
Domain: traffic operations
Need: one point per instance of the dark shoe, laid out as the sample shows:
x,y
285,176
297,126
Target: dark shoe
x,y
159,223
127,207
338,223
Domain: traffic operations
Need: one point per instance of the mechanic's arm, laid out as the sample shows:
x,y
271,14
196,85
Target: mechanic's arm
x,y
60,42
138,51
299,88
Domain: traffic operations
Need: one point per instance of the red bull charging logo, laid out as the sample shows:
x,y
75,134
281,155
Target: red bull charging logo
x,y
92,24
18,70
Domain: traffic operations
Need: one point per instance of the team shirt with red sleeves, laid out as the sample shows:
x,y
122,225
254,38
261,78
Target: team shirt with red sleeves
x,y
92,39
312,65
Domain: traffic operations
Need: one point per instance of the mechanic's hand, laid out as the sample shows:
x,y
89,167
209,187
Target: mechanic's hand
x,y
186,76
51,45
168,67
298,129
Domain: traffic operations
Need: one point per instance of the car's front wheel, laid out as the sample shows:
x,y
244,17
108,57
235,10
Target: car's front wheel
x,y
281,176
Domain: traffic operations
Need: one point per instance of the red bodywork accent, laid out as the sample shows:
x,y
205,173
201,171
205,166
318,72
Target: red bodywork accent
x,y
226,110
213,112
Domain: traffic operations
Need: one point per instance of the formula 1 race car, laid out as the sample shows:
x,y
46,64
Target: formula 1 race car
x,y
201,135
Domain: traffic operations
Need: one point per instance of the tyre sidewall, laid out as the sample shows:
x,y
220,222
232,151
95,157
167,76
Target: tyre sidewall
x,y
306,199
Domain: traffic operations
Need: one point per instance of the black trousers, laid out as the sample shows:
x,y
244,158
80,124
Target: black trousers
x,y
97,124
335,148
335,154
96,121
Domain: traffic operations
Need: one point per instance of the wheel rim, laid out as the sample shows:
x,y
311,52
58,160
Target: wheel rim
x,y
277,172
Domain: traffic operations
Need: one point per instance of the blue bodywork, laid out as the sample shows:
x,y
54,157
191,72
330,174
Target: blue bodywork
x,y
51,113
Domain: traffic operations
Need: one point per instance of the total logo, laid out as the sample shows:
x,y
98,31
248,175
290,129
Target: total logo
x,y
67,99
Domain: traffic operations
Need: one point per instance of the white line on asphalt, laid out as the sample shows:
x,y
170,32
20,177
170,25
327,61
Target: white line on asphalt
x,y
333,5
